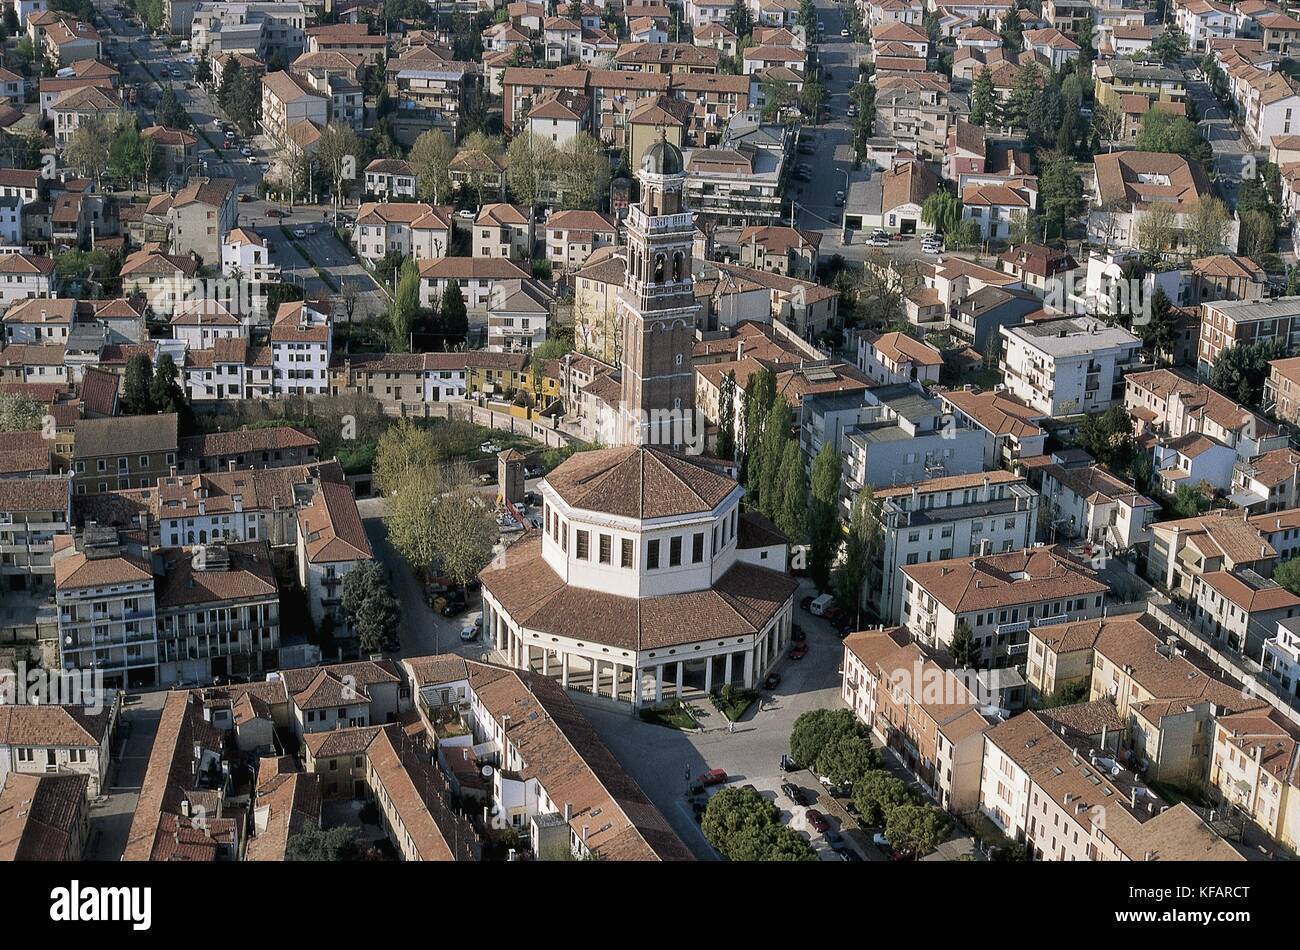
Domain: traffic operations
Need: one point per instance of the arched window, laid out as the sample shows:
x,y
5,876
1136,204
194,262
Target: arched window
x,y
678,259
659,268
189,537
203,537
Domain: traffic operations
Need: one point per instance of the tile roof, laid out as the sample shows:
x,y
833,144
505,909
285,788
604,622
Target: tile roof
x,y
41,816
1030,576
125,435
331,527
638,482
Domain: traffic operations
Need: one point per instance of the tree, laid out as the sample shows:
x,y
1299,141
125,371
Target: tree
x,y
410,517
1060,193
778,96
369,606
726,444
1159,332
740,19
1108,437
1169,47
402,308
759,395
1156,228
814,730
338,150
744,826
203,69
87,150
824,513
170,113
430,159
1288,574
917,828
846,760
983,99
1258,232
464,529
793,496
1020,104
582,170
165,393
1107,124
861,550
876,795
1240,370
312,843
402,449
812,100
531,163
455,317
1188,502
19,413
777,432
965,653
942,211
135,399
1166,132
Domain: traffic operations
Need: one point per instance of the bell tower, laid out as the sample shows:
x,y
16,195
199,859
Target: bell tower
x,y
657,307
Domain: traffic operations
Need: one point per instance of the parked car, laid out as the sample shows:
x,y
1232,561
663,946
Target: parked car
x,y
468,635
453,606
533,471
795,794
299,233
844,33
466,213
773,681
275,213
798,651
712,777
817,820
852,110
245,151
879,239
821,604
806,602
787,764
879,840
797,634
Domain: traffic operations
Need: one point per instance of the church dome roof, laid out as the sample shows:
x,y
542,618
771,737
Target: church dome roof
x,y
663,158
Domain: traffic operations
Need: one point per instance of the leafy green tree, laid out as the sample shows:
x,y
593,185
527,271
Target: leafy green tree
x,y
824,513
1240,370
582,172
1188,501
1060,193
942,211
846,760
19,413
1169,47
876,795
170,112
1165,132
430,159
740,19
530,168
917,828
135,399
1020,104
1159,334
1108,437
965,652
312,843
455,317
744,826
339,152
1288,574
814,730
760,392
87,150
402,308
862,547
464,528
409,520
793,493
402,449
726,446
777,433
984,107
203,69
369,606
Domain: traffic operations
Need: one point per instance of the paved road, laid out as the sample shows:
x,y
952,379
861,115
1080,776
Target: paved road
x,y
141,57
110,823
1230,149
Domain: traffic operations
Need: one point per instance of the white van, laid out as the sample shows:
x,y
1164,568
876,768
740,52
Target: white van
x,y
819,606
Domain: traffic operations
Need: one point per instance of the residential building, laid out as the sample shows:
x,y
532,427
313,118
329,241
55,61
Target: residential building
x,y
123,452
1063,367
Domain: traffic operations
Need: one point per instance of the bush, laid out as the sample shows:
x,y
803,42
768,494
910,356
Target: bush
x,y
815,730
876,795
744,826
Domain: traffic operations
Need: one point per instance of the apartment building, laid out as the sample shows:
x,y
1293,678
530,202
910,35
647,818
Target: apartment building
x,y
1091,503
123,452
1256,770
1239,610
273,447
45,817
553,780
288,101
1282,390
41,740
1167,697
1222,540
502,231
1067,802
921,711
1128,183
411,229
1064,367
32,512
476,276
1011,427
943,518
390,178
435,92
572,236
331,542
395,378
1225,323
301,346
999,597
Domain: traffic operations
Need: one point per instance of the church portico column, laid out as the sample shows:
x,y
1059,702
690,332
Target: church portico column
x,y
749,668
564,669
546,661
726,676
708,674
595,677
681,679
659,683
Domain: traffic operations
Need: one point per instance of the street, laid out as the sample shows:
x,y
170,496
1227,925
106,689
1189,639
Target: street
x,y
130,54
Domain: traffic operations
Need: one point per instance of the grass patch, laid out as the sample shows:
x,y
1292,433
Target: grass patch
x,y
731,702
676,716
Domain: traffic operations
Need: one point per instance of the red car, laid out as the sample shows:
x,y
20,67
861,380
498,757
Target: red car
x,y
712,777
817,820
799,651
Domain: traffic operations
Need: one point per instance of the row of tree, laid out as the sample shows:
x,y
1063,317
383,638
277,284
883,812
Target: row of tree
x,y
837,746
149,389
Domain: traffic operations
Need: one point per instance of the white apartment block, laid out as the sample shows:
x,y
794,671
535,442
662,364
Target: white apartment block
x,y
1065,367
